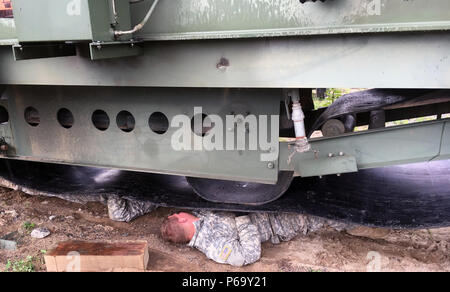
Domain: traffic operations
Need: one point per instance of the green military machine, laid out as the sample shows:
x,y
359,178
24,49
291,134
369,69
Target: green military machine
x,y
220,92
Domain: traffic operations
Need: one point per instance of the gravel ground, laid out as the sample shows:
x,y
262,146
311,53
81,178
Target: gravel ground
x,y
327,250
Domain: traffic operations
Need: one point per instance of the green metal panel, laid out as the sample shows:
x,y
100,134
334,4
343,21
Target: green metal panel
x,y
144,150
68,20
419,60
445,146
7,31
49,20
141,149
199,19
314,166
377,148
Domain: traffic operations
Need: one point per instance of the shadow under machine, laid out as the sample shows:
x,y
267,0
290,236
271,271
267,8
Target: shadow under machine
x,y
209,104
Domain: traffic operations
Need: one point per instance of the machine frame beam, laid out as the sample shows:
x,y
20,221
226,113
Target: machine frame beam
x,y
364,61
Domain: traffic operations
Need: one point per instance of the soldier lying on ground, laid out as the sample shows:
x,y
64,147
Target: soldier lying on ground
x,y
228,239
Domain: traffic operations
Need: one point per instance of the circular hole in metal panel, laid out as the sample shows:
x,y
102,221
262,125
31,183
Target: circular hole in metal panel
x,y
32,116
158,123
126,121
4,115
65,118
100,119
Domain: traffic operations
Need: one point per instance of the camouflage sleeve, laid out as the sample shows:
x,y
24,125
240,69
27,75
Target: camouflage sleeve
x,y
239,252
201,213
127,209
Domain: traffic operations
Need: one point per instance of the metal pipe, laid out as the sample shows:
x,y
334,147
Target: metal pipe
x,y
113,5
142,23
298,117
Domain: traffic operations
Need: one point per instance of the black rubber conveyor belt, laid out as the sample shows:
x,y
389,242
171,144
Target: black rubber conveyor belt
x,y
409,196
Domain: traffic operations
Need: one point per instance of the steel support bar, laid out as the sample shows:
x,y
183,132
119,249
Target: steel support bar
x,y
378,148
365,61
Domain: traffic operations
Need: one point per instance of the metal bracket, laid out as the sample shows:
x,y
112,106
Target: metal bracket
x,y
27,52
307,165
110,50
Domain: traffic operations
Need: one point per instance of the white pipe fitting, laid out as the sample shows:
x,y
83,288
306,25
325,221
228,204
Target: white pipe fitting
x,y
298,117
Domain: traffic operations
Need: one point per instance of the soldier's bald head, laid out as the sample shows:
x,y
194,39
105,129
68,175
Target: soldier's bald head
x,y
178,228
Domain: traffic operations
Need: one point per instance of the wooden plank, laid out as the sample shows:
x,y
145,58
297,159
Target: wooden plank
x,y
79,256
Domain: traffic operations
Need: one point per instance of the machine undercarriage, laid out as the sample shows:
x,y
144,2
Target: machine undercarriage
x,y
345,176
197,108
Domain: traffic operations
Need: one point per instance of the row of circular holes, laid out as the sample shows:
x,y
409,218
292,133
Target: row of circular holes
x,y
158,122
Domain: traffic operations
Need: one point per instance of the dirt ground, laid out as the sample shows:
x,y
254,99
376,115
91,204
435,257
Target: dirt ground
x,y
327,250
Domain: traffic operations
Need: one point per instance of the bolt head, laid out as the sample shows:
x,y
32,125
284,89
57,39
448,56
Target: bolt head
x,y
271,165
330,155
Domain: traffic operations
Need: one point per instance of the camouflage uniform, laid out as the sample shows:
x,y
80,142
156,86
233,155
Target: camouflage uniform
x,y
227,239
124,209
278,227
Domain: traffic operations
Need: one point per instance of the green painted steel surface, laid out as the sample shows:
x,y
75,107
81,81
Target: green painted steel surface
x,y
7,31
144,150
315,166
444,152
198,19
384,147
69,20
141,149
406,60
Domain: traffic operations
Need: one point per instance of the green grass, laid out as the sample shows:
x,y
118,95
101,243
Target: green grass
x,y
25,266
331,96
28,226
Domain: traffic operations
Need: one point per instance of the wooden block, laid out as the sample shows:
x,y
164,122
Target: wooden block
x,y
78,256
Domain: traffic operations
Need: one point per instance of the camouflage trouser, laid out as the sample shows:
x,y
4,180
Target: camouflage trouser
x,y
122,209
280,227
